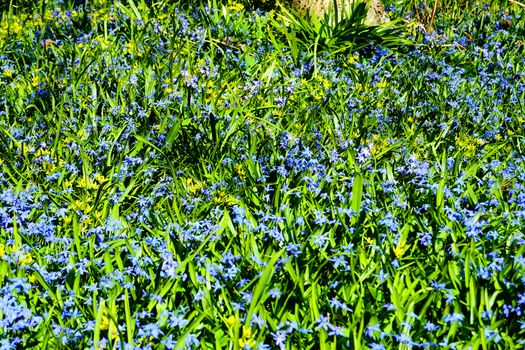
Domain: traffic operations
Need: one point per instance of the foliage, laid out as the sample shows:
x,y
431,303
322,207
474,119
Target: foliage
x,y
336,33
182,177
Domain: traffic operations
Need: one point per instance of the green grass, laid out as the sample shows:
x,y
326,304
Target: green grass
x,y
177,176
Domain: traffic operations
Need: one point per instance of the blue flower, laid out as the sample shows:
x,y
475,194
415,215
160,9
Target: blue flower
x,y
382,276
430,327
323,323
453,318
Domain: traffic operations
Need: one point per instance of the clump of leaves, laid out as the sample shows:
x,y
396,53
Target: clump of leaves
x,y
336,32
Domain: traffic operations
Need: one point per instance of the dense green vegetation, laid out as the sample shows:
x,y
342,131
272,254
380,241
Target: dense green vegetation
x,y
220,176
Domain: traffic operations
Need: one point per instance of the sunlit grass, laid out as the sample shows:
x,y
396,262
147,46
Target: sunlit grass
x,y
203,177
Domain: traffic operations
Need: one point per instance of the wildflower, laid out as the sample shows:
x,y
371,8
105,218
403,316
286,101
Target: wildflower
x,y
68,219
323,323
382,85
352,58
104,324
382,276
320,239
401,249
150,330
35,81
369,332
453,318
230,321
275,293
430,327
279,338
337,331
492,335
449,295
100,178
340,261
438,286
235,6
25,259
258,320
169,342
192,340
178,321
76,205
246,340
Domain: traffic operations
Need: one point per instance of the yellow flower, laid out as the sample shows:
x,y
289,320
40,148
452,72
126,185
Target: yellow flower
x,y
243,342
35,81
68,219
352,59
8,73
97,214
223,198
230,321
240,171
48,167
2,250
246,332
25,259
88,208
319,95
100,178
378,145
87,183
131,47
235,6
401,249
193,187
82,134
32,278
246,339
382,85
104,325
113,334
76,205
85,223
16,28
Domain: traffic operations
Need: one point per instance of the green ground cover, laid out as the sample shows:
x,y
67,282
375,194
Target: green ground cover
x,y
204,177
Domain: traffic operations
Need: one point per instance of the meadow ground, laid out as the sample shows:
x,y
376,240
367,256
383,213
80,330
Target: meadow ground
x,y
205,177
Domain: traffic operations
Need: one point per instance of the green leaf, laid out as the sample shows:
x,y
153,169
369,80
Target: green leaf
x,y
357,194
262,285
